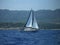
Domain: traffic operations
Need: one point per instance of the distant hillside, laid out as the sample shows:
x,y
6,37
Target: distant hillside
x,y
22,15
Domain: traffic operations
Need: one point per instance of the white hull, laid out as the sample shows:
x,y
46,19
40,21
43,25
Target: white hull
x,y
30,29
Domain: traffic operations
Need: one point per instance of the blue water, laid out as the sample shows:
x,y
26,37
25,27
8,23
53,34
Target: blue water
x,y
41,37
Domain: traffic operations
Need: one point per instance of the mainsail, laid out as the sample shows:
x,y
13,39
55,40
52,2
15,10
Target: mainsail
x,y
32,23
29,22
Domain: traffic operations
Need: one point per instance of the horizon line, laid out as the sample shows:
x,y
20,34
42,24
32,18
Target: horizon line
x,y
28,9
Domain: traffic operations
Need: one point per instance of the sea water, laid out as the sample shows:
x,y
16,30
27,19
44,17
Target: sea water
x,y
41,37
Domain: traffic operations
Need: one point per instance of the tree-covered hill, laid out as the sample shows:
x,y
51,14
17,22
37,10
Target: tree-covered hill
x,y
22,15
47,19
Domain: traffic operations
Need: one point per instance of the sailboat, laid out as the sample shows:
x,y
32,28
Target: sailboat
x,y
31,24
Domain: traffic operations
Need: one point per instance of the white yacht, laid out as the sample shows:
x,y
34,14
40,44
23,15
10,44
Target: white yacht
x,y
31,24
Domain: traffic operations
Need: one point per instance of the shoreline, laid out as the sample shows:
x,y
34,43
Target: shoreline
x,y
22,28
9,28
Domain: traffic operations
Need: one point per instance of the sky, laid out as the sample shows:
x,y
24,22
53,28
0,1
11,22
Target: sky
x,y
28,4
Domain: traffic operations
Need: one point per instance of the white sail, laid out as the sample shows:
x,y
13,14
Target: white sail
x,y
35,25
29,22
